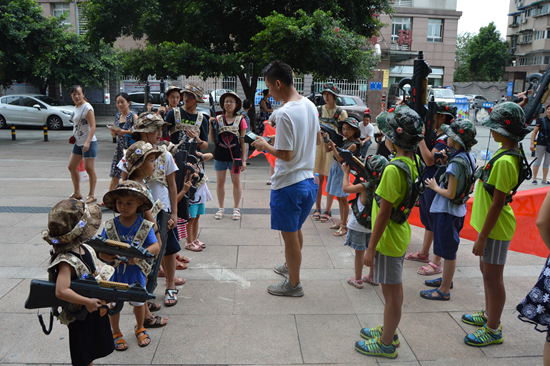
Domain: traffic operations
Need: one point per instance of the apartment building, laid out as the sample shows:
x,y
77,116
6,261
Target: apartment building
x,y
529,36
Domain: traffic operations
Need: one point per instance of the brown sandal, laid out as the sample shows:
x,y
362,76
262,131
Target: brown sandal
x,y
120,341
342,231
75,196
142,337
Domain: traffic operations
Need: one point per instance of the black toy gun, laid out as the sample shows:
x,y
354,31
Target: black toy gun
x,y
538,83
312,94
42,295
356,166
214,124
332,134
123,250
147,96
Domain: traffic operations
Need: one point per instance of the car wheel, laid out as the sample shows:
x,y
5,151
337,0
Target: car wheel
x,y
55,123
3,123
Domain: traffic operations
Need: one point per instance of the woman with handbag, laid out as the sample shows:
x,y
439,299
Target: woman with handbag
x,y
228,153
540,133
85,143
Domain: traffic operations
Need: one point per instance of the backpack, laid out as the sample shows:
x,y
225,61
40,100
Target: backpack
x,y
525,172
333,120
363,217
400,214
465,180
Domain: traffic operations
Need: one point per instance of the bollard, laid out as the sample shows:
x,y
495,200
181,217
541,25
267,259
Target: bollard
x,y
45,133
534,152
12,132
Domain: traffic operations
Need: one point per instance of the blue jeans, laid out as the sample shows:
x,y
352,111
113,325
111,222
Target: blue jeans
x,y
365,148
90,154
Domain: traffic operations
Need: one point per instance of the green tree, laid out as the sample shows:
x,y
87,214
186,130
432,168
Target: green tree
x,y
461,56
190,37
487,55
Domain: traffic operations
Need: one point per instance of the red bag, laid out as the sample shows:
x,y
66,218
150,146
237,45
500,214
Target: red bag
x,y
72,140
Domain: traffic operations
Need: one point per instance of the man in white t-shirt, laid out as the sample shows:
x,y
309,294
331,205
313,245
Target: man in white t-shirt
x,y
367,133
293,190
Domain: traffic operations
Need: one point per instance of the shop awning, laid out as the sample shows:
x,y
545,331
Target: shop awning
x,y
399,56
516,13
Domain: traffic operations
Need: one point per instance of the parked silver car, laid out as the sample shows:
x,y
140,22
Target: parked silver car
x,y
137,105
34,110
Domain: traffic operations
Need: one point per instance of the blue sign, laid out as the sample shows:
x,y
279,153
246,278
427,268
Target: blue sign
x,y
449,87
375,85
510,89
461,100
488,105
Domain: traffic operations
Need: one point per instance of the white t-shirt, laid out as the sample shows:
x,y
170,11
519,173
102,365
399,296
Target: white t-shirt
x,y
81,128
158,189
352,221
367,130
202,195
297,127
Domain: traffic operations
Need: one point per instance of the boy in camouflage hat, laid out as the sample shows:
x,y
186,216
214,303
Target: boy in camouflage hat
x,y
359,224
449,205
391,232
493,218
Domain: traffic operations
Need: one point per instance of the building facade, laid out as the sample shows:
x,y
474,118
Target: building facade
x,y
529,36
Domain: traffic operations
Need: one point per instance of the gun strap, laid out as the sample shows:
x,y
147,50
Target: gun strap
x,y
48,330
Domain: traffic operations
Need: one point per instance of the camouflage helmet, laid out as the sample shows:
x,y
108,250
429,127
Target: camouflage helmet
x,y
463,131
404,127
128,188
331,88
135,155
508,119
350,121
70,223
147,122
374,165
195,90
444,108
381,121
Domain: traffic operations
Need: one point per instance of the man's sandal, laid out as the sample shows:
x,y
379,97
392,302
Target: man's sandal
x,y
435,294
327,215
316,215
342,231
418,257
119,341
182,259
76,197
153,306
193,247
368,279
431,270
155,321
142,337
170,295
219,214
236,214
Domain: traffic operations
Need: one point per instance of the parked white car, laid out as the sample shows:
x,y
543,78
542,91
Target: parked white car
x,y
34,110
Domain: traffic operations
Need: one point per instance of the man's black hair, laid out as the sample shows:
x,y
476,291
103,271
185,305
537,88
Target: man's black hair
x,y
246,104
278,70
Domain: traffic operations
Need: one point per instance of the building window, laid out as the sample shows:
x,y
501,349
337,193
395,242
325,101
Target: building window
x,y
540,34
435,30
529,12
399,23
61,9
543,9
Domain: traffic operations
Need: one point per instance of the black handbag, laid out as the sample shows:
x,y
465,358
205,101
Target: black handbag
x,y
546,134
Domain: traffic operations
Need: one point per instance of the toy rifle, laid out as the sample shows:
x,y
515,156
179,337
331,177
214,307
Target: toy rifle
x,y
332,134
357,168
42,295
539,84
123,250
214,124
146,97
418,97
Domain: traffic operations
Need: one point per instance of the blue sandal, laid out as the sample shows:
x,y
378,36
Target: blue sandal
x,y
429,294
435,283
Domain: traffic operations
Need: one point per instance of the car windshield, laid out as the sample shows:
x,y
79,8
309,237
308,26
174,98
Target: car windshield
x,y
443,93
49,101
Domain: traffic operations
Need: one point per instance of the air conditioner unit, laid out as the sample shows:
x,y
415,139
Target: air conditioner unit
x,y
524,20
520,4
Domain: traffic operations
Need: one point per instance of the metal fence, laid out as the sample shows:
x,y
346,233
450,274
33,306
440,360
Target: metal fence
x,y
357,87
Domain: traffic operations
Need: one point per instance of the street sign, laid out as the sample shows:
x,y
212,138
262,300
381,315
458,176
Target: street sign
x,y
488,105
375,85
510,89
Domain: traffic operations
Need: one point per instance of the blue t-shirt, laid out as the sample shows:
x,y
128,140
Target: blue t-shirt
x,y
126,273
432,170
442,204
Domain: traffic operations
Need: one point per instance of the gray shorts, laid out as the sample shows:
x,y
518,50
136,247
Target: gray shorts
x,y
357,239
388,270
495,251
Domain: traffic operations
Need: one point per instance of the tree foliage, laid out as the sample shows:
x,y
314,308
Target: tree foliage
x,y
461,56
36,49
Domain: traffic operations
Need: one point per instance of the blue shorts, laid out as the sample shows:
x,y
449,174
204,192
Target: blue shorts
x,y
291,206
90,154
225,165
424,205
446,234
196,209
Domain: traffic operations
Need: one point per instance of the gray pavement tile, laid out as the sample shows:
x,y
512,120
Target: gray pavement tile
x,y
268,256
341,256
8,219
46,201
36,222
31,272
9,272
321,297
364,301
311,237
330,339
14,300
258,182
244,276
7,284
242,236
210,339
213,257
486,361
443,331
208,221
14,235
199,274
257,221
35,254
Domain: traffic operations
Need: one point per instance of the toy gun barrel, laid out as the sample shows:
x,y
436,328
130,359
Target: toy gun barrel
x,y
101,244
333,135
356,166
539,84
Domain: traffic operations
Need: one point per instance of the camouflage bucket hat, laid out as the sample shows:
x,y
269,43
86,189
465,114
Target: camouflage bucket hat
x,y
136,154
70,223
196,90
374,165
462,131
331,88
404,127
237,99
350,121
171,88
381,121
444,108
128,188
508,119
147,122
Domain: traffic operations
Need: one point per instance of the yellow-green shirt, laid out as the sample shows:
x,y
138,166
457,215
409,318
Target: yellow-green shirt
x,y
504,176
393,188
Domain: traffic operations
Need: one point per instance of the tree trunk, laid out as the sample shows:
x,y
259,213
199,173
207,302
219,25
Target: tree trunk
x,y
250,93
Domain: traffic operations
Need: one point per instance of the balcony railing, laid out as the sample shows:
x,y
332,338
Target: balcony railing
x,y
403,4
513,25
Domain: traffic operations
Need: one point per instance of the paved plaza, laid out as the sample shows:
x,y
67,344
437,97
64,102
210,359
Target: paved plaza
x,y
224,314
